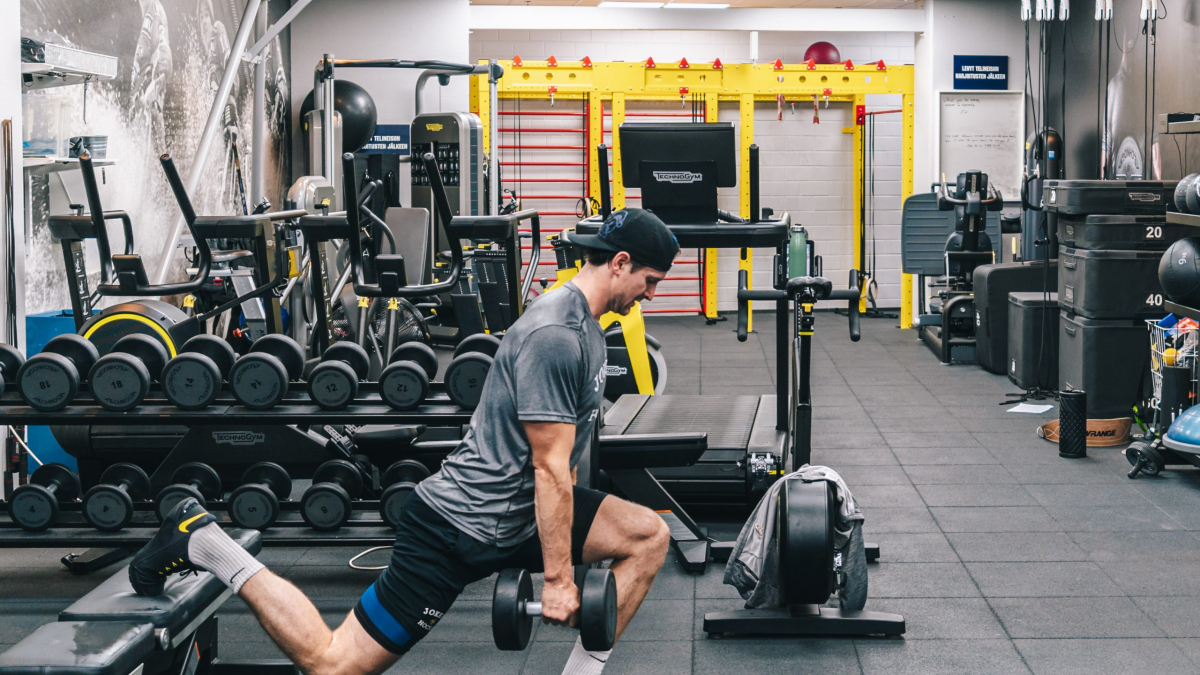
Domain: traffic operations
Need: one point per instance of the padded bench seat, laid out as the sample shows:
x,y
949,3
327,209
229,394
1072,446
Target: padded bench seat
x,y
80,648
185,602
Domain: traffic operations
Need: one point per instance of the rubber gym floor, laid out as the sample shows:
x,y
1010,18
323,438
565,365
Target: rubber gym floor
x,y
1002,557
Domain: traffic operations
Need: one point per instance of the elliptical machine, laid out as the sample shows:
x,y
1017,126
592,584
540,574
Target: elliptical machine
x,y
951,322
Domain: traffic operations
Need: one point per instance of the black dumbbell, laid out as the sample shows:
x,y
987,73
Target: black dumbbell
x,y
327,504
333,384
11,361
49,380
121,378
108,507
513,610
255,503
399,481
467,372
34,505
192,379
194,479
259,380
404,384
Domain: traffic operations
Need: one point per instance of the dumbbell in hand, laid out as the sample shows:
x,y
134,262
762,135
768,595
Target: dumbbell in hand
x,y
467,372
108,507
254,504
192,379
121,378
50,380
259,380
11,361
399,481
34,505
333,384
404,384
328,503
513,610
194,479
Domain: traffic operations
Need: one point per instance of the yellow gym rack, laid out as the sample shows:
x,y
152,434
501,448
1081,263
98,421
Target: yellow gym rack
x,y
620,82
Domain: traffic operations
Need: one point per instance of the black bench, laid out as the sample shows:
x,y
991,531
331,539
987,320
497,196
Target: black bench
x,y
114,631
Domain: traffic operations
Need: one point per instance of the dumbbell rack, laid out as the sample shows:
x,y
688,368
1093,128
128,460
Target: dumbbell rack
x,y
225,433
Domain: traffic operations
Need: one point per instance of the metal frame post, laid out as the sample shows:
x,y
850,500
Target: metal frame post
x,y
259,106
906,190
711,114
211,127
618,183
746,139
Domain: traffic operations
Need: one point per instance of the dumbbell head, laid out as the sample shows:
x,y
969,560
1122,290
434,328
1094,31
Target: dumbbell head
x,y
34,506
255,503
327,504
194,479
192,379
479,342
334,383
465,377
11,361
511,622
121,378
259,380
404,384
400,480
598,610
50,380
108,507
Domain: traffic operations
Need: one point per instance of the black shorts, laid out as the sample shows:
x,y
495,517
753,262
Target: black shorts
x,y
433,561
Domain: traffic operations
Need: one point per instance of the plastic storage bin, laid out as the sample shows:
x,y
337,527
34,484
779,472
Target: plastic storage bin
x,y
1032,353
1106,359
1109,284
1083,197
1122,233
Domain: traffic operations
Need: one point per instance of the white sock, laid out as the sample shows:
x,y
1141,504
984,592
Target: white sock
x,y
214,551
583,662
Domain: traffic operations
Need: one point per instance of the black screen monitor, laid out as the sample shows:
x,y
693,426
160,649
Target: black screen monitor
x,y
689,142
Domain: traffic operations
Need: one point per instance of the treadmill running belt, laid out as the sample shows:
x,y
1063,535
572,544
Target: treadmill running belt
x,y
727,421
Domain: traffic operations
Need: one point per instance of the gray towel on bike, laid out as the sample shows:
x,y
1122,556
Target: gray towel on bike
x,y
753,564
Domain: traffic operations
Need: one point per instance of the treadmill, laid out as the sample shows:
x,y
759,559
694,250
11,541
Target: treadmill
x,y
679,168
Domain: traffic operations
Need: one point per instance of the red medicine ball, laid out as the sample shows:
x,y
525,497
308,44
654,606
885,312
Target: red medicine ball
x,y
822,52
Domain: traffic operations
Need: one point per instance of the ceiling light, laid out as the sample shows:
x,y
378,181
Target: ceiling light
x,y
631,5
697,5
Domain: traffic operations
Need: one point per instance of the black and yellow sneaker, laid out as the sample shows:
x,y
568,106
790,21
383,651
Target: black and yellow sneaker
x,y
167,552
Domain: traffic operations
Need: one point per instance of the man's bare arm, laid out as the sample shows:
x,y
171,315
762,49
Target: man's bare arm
x,y
554,508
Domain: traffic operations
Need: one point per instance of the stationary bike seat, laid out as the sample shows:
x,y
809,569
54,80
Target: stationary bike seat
x,y
820,286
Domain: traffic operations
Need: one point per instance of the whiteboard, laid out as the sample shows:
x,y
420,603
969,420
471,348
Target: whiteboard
x,y
985,131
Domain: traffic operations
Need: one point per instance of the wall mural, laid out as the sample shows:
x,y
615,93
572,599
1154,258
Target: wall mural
x,y
172,54
1121,80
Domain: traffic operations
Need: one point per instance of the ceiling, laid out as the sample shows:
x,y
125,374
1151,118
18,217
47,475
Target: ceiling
x,y
808,4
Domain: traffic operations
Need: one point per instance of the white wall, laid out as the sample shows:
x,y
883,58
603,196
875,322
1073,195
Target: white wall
x,y
807,169
381,29
10,109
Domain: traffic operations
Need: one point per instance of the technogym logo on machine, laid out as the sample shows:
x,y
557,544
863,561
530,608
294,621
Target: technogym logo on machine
x,y
238,437
677,177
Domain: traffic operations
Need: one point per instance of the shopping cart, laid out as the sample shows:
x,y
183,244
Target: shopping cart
x,y
1173,366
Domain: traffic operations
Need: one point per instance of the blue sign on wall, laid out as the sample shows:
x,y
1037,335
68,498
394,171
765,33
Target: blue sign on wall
x,y
389,139
980,72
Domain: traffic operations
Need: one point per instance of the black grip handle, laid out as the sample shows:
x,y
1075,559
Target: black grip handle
x,y
852,307
743,307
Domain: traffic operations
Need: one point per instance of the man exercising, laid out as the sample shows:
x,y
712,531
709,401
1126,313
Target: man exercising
x,y
504,498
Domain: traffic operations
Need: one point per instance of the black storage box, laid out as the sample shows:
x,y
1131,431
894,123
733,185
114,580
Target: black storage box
x,y
1123,233
1109,284
992,284
1032,354
1110,360
1083,197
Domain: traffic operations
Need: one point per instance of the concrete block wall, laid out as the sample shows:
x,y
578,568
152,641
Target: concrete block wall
x,y
807,169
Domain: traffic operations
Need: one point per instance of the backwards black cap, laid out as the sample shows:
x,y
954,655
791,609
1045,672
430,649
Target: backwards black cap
x,y
638,232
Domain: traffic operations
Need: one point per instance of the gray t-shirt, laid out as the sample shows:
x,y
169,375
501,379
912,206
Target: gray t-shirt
x,y
549,368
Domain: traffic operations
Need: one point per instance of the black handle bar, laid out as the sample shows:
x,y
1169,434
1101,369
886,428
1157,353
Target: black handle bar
x,y
822,289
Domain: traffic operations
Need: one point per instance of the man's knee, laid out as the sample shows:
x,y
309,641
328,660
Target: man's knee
x,y
652,535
